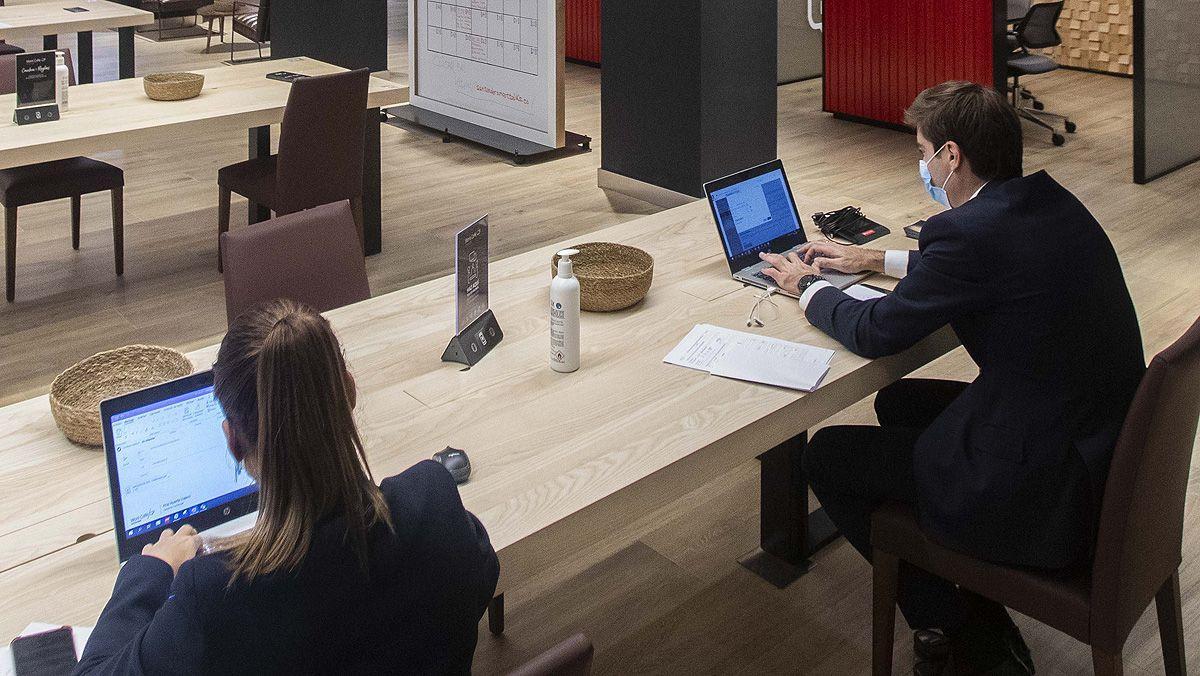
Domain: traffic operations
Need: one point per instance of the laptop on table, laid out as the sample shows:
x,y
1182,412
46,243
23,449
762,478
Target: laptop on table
x,y
169,465
755,213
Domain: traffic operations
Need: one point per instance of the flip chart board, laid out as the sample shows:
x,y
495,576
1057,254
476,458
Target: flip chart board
x,y
494,63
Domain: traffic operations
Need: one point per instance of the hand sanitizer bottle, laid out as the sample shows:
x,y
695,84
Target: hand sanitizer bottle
x,y
564,315
62,79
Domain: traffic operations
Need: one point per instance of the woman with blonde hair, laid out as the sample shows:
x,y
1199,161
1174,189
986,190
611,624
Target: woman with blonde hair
x,y
338,574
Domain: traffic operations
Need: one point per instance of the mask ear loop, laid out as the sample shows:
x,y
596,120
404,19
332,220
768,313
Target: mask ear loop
x,y
947,181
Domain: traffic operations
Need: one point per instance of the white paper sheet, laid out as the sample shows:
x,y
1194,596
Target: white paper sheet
x,y
750,357
863,292
80,634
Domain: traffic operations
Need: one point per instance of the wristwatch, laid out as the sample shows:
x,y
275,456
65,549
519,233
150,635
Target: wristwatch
x,y
807,281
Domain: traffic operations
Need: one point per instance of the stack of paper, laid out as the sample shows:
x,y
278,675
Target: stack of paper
x,y
746,356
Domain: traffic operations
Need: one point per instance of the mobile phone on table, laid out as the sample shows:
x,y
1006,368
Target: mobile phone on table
x,y
285,76
914,231
49,653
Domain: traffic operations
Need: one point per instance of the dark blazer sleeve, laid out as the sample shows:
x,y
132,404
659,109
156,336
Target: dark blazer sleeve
x,y
150,624
914,257
945,279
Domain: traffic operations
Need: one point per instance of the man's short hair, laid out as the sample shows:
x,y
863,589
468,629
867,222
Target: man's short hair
x,y
979,119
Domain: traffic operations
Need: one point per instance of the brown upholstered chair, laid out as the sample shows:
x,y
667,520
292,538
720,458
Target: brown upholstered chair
x,y
1138,546
59,179
320,156
572,657
313,256
251,20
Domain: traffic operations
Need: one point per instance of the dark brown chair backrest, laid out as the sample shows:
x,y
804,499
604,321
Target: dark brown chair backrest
x,y
321,141
313,256
1141,520
572,657
8,70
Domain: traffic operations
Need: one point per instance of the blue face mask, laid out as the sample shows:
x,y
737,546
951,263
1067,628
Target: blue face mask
x,y
938,194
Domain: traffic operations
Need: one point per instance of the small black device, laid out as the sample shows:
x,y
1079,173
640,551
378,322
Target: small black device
x,y
35,114
914,231
850,224
475,341
456,462
50,653
285,76
76,10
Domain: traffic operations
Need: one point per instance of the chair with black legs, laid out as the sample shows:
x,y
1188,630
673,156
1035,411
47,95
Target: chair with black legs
x,y
57,179
1139,541
321,149
1038,30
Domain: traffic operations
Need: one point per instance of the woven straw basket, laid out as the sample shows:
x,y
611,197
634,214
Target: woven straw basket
x,y
611,276
75,395
173,86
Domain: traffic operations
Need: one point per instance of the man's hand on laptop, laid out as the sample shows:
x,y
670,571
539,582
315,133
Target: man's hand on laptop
x,y
827,256
175,548
787,271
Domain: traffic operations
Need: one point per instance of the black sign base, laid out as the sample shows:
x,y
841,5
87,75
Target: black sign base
x,y
35,114
476,341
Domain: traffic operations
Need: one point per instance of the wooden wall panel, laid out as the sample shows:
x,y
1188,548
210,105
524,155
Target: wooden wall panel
x,y
1098,35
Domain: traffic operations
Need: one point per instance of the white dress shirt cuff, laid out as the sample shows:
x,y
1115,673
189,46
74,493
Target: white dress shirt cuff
x,y
811,291
895,263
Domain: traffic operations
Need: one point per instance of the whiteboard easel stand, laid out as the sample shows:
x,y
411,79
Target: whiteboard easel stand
x,y
451,128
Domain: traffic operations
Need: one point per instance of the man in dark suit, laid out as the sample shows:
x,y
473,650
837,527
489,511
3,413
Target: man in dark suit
x,y
1011,467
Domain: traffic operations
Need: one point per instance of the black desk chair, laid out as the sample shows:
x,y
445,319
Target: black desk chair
x,y
58,179
1037,31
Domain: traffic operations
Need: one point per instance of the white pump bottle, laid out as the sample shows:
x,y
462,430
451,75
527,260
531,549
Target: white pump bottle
x,y
564,315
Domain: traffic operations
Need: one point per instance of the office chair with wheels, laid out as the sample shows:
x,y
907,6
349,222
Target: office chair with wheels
x,y
1138,544
1037,31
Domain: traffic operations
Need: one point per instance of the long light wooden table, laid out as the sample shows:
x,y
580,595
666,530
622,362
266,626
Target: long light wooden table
x,y
110,115
50,18
559,460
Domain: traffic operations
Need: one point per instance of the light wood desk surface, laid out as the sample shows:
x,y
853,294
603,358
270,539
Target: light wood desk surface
x,y
108,115
50,17
558,459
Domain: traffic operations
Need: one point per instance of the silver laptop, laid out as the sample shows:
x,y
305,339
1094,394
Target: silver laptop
x,y
755,213
169,465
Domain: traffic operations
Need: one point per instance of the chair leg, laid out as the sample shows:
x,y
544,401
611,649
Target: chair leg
x,y
118,226
76,216
10,252
1106,663
222,223
886,568
208,38
1170,626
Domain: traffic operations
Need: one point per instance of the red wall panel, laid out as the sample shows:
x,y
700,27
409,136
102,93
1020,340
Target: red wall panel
x,y
879,54
583,30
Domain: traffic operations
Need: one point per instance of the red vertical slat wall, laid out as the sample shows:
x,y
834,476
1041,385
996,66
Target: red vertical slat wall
x,y
583,30
879,54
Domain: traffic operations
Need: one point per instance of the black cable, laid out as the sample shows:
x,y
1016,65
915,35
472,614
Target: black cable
x,y
842,223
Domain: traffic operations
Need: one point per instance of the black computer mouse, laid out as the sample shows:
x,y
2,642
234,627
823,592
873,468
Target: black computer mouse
x,y
456,462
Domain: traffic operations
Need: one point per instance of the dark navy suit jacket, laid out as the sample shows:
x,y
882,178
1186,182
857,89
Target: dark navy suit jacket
x,y
1013,471
414,609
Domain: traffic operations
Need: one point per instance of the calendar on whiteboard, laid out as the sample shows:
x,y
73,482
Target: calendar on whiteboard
x,y
494,63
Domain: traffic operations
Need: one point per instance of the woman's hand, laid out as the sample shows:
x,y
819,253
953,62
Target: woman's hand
x,y
787,271
175,548
841,258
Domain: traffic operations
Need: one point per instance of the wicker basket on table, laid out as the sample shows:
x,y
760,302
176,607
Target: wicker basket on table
x,y
611,276
75,395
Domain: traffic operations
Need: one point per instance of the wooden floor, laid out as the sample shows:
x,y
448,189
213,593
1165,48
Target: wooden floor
x,y
665,594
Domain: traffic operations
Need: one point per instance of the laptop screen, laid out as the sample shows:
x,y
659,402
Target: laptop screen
x,y
754,211
169,462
